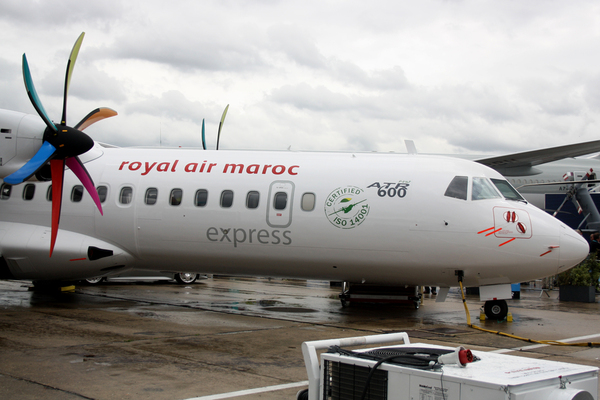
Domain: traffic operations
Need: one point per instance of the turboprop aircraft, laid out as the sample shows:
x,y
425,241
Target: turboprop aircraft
x,y
401,219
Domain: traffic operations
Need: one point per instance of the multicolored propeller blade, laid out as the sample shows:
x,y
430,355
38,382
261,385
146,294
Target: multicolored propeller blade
x,y
75,164
97,115
57,169
69,74
203,136
33,97
221,125
32,166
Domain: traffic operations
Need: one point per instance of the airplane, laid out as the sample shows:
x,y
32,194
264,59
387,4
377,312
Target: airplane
x,y
400,219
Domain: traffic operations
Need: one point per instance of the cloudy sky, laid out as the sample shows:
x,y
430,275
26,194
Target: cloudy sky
x,y
455,76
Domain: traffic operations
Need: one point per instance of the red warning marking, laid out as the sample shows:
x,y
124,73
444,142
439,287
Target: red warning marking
x,y
78,259
488,229
543,254
507,242
491,233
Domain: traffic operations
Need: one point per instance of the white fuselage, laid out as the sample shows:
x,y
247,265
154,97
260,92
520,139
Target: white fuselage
x,y
362,217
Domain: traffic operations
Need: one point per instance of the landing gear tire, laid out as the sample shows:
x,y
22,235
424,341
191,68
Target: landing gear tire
x,y
186,278
496,309
302,395
93,281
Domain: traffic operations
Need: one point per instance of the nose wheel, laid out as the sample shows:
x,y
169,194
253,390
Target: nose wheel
x,y
496,309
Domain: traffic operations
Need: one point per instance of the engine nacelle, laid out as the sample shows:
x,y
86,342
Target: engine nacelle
x,y
21,136
76,256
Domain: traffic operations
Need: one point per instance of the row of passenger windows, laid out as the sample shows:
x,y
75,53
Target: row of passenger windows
x,y
280,199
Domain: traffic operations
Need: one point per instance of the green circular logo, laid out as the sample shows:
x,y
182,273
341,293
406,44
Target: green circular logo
x,y
347,207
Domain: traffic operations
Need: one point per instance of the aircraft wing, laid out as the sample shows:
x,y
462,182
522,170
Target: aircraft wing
x,y
522,163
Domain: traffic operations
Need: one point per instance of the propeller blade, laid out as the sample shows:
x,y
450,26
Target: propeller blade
x,y
561,205
221,125
203,136
33,97
577,205
97,115
75,164
32,166
69,74
57,168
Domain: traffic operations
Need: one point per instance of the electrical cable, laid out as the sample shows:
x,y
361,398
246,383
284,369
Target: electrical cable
x,y
548,342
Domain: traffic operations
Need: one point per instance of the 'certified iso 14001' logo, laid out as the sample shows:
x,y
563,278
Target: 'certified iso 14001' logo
x,y
347,207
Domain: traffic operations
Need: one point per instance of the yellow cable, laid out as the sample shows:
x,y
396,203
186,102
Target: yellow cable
x,y
548,342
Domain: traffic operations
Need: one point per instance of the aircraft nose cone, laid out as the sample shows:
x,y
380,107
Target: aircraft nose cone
x,y
573,248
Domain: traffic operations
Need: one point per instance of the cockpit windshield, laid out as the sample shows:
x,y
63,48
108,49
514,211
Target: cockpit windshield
x,y
509,192
483,189
458,188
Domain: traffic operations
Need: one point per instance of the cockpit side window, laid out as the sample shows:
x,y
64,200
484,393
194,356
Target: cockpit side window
x,y
483,189
458,188
509,192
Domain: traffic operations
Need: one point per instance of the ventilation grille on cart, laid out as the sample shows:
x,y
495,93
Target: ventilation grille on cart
x,y
347,382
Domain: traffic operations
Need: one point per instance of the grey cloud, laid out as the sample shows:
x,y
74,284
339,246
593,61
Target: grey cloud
x,y
172,104
87,83
304,96
388,79
296,44
51,13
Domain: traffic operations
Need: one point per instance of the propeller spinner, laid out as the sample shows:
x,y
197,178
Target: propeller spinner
x,y
61,146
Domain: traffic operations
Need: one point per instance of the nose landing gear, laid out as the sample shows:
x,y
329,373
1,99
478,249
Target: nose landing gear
x,y
496,309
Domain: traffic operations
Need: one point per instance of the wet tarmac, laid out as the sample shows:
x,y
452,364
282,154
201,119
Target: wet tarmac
x,y
223,335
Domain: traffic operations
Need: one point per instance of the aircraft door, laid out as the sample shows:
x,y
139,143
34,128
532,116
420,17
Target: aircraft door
x,y
279,207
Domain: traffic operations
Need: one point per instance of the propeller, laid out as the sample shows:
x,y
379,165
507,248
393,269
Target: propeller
x,y
61,145
572,192
221,125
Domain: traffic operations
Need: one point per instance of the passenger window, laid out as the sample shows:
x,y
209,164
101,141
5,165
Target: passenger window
x,y
458,188
252,199
6,189
226,198
49,193
175,197
126,195
308,201
201,197
151,196
77,193
28,191
483,189
280,201
102,193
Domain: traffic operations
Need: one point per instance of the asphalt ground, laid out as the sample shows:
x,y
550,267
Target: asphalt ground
x,y
237,338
